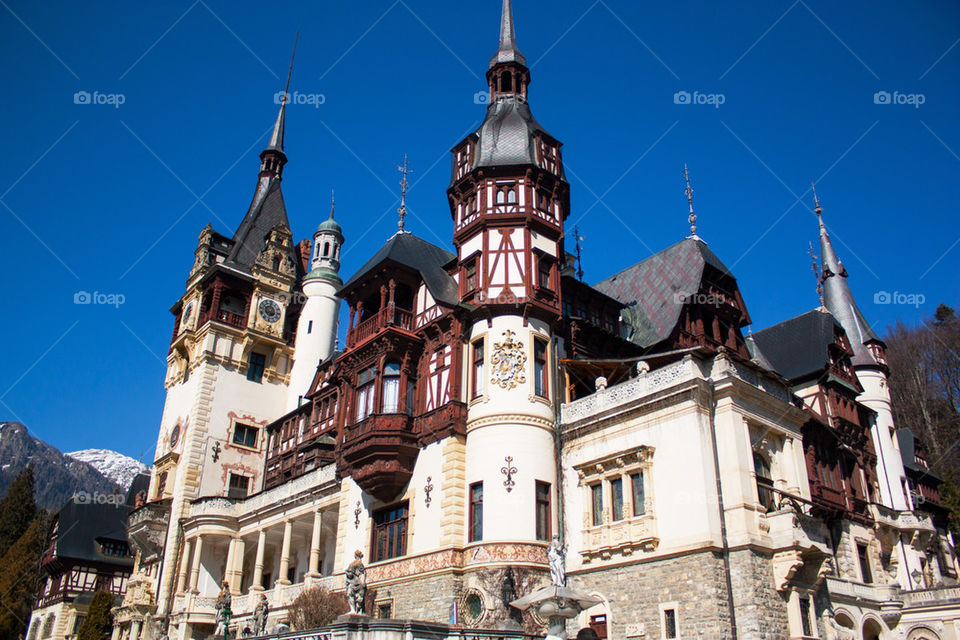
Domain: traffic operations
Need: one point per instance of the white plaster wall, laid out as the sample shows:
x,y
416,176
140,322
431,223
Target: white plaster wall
x,y
424,523
876,396
354,537
510,422
682,480
542,242
322,308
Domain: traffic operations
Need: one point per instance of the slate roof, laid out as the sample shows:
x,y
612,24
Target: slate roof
x,y
266,212
423,257
798,347
81,525
654,289
906,438
838,298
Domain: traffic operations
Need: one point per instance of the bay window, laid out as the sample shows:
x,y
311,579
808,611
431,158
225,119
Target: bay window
x,y
391,387
365,389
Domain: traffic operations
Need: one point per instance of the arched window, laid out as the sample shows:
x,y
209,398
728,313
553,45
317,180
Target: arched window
x,y
501,196
764,482
391,387
506,82
276,263
326,249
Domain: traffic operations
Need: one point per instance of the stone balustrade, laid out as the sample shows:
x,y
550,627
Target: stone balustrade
x,y
298,489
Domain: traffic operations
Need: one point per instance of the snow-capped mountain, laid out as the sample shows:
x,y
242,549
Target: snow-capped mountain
x,y
115,466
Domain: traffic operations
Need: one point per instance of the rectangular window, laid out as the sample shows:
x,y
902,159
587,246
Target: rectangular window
x,y
543,273
805,616
616,493
385,610
255,369
543,510
864,563
638,494
391,387
540,367
365,392
245,435
476,511
389,532
669,623
596,495
239,486
470,276
476,384
309,326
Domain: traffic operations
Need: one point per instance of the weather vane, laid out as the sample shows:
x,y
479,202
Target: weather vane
x,y
692,218
404,170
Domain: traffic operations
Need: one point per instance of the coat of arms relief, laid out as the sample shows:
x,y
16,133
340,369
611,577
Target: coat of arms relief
x,y
508,362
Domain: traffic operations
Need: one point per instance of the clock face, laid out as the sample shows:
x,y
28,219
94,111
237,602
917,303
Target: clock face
x,y
269,310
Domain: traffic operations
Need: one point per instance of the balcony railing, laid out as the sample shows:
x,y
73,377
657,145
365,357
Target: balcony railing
x,y
932,597
389,316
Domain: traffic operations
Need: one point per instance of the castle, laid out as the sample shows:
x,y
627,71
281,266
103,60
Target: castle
x,y
707,484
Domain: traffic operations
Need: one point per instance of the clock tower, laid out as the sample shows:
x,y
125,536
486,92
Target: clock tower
x,y
509,198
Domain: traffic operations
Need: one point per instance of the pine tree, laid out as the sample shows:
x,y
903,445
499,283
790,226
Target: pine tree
x,y
17,509
99,620
19,577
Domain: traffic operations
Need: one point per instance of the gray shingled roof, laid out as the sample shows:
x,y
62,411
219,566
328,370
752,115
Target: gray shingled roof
x,y
798,348
654,289
266,212
81,525
427,259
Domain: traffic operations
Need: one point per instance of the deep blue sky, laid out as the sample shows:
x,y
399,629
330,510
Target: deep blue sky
x,y
104,199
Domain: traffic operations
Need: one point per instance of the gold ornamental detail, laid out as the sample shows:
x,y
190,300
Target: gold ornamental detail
x,y
508,362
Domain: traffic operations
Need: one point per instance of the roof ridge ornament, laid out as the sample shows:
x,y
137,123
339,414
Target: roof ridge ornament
x,y
404,185
692,218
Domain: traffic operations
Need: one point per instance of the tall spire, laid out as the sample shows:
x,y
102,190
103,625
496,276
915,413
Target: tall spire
x,y
508,51
273,157
838,298
333,202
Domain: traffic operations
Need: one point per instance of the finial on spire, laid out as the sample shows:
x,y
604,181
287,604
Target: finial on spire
x,y
286,87
508,51
402,211
817,209
692,218
579,239
333,202
816,275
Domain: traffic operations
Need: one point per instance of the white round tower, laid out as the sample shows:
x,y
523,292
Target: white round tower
x,y
319,319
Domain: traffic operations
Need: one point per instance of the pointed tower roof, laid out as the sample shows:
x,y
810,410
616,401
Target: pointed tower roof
x,y
508,51
276,138
838,299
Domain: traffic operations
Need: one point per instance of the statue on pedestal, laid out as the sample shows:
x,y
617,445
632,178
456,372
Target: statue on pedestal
x,y
260,616
224,601
356,576
556,554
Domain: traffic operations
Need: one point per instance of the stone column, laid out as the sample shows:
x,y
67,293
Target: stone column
x,y
285,553
238,548
314,570
114,635
184,567
228,569
195,569
257,584
135,629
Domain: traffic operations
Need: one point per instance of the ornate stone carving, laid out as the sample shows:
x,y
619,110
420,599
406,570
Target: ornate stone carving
x,y
785,566
508,471
508,362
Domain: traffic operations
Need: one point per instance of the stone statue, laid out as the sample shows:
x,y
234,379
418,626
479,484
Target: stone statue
x,y
260,616
556,554
223,610
356,575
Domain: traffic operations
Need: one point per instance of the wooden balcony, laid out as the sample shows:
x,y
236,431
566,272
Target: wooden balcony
x,y
386,317
380,452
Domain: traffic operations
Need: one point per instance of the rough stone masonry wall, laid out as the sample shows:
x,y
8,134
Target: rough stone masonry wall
x,y
635,592
761,610
430,598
